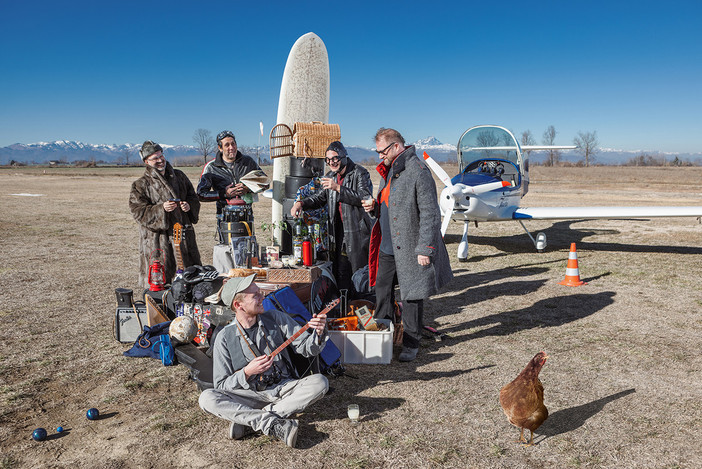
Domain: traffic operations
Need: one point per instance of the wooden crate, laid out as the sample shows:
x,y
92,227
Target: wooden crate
x,y
302,290
294,275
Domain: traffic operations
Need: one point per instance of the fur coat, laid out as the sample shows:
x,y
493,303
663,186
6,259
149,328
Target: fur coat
x,y
146,199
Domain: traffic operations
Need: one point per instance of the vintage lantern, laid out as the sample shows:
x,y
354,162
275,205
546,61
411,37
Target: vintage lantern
x,y
157,272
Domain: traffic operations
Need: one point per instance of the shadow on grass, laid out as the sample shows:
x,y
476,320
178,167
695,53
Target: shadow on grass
x,y
371,408
567,420
464,283
560,235
550,312
107,415
56,436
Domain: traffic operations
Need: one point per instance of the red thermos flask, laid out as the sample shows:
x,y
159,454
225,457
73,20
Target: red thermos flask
x,y
307,253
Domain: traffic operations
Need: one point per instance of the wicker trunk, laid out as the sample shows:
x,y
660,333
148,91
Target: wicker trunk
x,y
311,139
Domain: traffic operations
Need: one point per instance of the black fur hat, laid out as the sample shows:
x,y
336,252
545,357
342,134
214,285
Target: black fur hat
x,y
148,149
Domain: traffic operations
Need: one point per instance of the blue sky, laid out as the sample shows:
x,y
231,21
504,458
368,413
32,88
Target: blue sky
x,y
116,72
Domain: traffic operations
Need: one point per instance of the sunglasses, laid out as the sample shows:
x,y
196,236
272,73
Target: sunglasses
x,y
333,159
385,150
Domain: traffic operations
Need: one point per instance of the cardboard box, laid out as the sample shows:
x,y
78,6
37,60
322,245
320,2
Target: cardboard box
x,y
367,347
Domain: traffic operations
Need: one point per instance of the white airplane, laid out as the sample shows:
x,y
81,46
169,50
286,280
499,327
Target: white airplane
x,y
493,177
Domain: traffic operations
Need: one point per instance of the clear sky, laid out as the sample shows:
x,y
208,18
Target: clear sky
x,y
126,71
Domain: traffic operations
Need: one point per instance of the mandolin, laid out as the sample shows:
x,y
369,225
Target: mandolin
x,y
177,237
329,307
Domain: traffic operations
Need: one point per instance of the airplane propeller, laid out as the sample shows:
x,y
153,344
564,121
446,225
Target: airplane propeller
x,y
452,191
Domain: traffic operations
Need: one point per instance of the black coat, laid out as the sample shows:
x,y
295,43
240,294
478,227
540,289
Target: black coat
x,y
216,176
356,222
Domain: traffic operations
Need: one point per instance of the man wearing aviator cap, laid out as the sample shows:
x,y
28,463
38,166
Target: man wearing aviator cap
x,y
251,390
220,179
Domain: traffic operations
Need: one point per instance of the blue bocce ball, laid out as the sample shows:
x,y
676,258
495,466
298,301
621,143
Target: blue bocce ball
x,y
59,429
39,434
92,414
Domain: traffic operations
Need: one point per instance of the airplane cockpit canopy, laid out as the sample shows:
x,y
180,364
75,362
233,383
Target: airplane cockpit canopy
x,y
487,143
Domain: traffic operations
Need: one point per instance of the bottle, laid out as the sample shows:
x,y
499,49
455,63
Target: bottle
x,y
316,240
297,241
307,248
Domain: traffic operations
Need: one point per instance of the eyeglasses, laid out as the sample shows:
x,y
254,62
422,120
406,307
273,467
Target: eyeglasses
x,y
385,150
333,159
224,134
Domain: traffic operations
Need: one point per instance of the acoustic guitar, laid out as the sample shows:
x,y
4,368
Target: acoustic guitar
x,y
177,238
329,307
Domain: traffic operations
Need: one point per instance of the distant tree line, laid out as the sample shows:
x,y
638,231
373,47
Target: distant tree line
x,y
587,145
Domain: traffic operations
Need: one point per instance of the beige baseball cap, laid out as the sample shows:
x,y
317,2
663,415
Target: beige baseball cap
x,y
235,285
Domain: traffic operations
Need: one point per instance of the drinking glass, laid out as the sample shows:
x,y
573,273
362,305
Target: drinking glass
x,y
353,413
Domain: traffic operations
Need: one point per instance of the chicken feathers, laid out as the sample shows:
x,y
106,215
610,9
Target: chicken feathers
x,y
522,400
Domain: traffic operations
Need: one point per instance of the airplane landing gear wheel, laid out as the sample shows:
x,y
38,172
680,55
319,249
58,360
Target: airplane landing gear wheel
x,y
541,242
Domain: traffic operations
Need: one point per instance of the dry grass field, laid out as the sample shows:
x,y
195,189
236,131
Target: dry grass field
x,y
623,385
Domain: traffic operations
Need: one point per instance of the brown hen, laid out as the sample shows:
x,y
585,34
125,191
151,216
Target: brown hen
x,y
522,400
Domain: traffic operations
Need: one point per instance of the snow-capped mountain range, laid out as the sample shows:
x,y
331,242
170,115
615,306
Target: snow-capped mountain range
x,y
70,151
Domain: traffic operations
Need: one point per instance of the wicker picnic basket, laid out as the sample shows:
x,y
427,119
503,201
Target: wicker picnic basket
x,y
311,139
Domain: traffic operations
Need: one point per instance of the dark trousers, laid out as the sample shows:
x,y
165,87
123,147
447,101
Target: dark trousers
x,y
412,310
341,265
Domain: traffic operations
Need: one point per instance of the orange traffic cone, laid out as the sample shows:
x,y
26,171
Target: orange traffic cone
x,y
572,277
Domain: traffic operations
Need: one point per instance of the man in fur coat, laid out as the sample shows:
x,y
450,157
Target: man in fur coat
x,y
159,199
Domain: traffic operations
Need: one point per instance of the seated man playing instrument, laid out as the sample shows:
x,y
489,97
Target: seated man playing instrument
x,y
256,387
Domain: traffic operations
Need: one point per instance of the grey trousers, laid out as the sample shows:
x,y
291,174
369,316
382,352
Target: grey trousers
x,y
258,409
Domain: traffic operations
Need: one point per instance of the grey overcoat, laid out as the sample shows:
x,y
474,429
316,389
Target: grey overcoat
x,y
415,225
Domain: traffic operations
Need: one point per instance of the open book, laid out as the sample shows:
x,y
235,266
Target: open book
x,y
255,180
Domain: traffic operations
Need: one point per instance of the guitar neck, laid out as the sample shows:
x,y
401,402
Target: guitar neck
x,y
290,340
302,329
177,237
179,258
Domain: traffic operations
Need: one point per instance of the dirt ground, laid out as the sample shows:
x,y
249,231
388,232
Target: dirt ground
x,y
622,385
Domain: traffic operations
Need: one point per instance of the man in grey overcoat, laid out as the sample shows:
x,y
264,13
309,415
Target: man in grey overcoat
x,y
406,246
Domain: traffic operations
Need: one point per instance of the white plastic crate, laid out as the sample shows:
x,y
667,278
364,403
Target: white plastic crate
x,y
368,347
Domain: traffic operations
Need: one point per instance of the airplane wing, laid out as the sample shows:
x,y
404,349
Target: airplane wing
x,y
523,147
572,213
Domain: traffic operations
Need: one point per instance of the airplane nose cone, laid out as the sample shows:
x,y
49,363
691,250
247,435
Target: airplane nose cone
x,y
446,200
